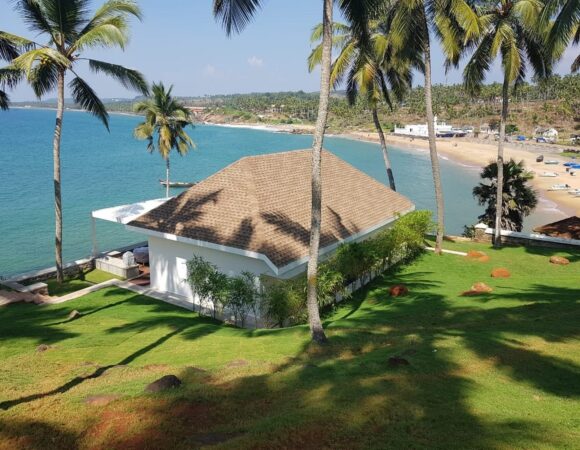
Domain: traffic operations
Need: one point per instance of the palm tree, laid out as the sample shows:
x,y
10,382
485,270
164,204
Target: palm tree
x,y
412,21
565,27
68,30
511,30
235,15
368,73
517,201
165,118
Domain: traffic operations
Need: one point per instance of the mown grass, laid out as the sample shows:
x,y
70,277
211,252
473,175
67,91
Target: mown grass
x,y
496,371
84,280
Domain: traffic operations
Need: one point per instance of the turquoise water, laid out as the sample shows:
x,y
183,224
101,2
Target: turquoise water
x,y
101,169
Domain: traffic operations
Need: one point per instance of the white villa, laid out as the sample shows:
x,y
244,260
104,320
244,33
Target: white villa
x,y
254,215
420,130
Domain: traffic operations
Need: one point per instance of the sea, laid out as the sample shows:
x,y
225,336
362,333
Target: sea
x,y
103,168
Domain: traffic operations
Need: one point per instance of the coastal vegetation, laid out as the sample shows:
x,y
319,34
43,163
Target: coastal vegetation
x,y
164,126
432,369
68,31
283,302
518,199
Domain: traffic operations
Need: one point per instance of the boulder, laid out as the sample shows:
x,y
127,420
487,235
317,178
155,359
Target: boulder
x,y
398,290
74,314
396,361
500,272
560,260
101,400
163,384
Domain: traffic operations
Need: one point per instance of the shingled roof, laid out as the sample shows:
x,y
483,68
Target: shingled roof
x,y
262,204
568,228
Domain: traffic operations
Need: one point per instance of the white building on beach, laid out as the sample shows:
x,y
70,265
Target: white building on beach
x,y
420,130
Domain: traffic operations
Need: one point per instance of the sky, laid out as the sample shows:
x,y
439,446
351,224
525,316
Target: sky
x,y
179,42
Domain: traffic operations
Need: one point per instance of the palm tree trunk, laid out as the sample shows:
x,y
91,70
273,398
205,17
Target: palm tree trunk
x,y
56,177
316,214
499,192
433,151
167,177
384,148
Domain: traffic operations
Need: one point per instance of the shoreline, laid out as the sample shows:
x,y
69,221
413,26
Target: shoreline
x,y
471,155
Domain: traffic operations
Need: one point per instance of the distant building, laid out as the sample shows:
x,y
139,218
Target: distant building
x,y
421,130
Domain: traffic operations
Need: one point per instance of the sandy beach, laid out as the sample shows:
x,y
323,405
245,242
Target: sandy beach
x,y
480,154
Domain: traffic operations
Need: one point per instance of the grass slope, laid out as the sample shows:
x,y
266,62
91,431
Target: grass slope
x,y
497,371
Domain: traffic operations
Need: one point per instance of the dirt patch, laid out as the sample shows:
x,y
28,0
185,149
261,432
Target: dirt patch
x,y
559,260
237,363
156,367
476,255
500,272
101,400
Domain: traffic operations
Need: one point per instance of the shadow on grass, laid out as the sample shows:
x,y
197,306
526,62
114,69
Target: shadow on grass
x,y
347,395
191,327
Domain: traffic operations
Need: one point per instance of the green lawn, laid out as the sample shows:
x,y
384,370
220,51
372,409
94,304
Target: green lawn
x,y
497,371
87,279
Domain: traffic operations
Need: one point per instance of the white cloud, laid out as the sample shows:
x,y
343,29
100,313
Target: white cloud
x,y
254,61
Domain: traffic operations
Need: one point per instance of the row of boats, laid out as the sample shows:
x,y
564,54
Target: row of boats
x,y
565,187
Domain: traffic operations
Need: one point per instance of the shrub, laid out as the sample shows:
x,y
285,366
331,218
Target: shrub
x,y
242,296
199,277
284,301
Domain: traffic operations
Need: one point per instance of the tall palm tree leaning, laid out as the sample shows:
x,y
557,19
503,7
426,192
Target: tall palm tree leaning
x,y
412,21
235,15
165,118
513,31
68,30
368,73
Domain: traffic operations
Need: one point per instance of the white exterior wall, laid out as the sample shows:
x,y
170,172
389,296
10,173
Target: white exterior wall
x,y
167,261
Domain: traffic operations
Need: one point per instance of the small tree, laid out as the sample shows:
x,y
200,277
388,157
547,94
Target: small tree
x,y
242,296
199,277
217,290
518,199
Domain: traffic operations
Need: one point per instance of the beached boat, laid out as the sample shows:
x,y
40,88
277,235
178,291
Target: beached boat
x,y
177,184
560,187
549,174
540,158
552,162
574,191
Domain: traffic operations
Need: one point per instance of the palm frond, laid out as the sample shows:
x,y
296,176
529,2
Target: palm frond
x,y
235,14
110,33
129,78
88,100
43,78
10,76
27,61
11,46
33,14
4,101
66,18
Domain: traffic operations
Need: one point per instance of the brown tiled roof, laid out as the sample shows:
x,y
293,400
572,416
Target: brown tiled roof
x,y
262,204
568,228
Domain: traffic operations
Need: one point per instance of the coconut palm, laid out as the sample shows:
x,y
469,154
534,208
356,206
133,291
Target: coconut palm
x,y
512,31
565,26
412,21
166,119
517,201
368,74
63,31
235,15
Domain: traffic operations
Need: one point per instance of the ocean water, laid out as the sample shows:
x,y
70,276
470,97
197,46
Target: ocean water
x,y
102,169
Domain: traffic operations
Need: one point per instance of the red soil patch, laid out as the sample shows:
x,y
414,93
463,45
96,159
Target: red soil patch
x,y
477,289
398,290
476,255
559,260
500,272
